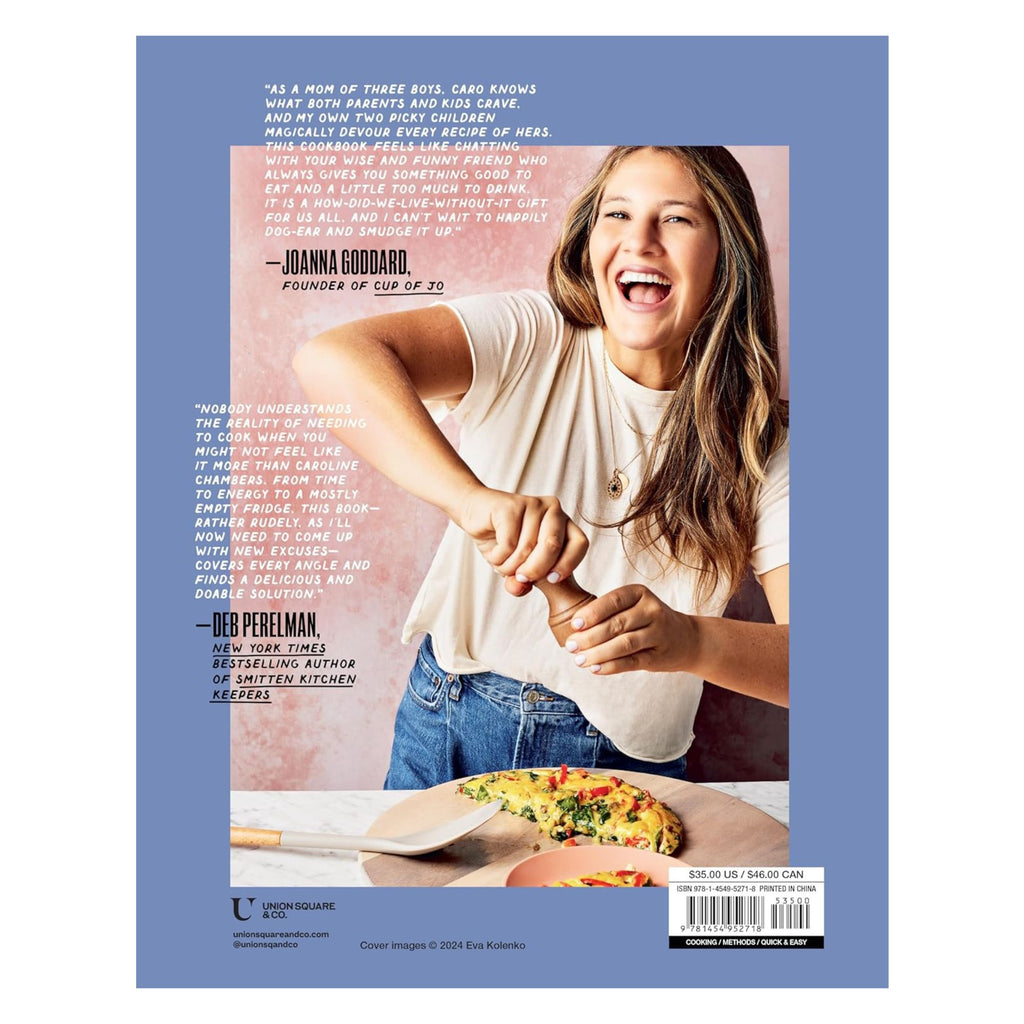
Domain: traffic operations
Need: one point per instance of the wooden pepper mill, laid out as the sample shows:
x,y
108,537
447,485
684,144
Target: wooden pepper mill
x,y
565,599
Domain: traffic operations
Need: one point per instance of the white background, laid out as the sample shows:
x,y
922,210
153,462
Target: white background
x,y
955,368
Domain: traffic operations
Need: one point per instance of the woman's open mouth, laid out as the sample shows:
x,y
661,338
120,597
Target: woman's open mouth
x,y
640,288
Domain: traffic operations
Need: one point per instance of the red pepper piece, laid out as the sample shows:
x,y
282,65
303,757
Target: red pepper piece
x,y
569,842
600,791
552,782
637,878
636,806
615,782
564,774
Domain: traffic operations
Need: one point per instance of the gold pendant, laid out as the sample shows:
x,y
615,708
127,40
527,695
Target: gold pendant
x,y
617,484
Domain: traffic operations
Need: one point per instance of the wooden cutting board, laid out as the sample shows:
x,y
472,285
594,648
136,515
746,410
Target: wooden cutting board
x,y
718,830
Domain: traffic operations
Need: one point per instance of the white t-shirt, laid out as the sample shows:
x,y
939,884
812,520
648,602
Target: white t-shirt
x,y
537,419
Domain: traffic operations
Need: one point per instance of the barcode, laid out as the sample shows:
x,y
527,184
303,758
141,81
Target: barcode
x,y
791,915
724,910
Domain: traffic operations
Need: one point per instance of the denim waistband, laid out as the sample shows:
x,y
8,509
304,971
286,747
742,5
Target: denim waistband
x,y
529,698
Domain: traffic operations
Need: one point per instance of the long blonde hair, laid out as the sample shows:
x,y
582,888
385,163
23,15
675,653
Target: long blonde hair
x,y
696,500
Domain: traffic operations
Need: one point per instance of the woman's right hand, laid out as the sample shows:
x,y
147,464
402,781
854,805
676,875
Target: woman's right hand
x,y
524,538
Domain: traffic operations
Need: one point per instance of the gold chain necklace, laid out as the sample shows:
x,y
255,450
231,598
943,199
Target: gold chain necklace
x,y
618,482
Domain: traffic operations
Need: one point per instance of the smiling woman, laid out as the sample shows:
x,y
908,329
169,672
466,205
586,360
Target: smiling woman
x,y
695,218
653,249
625,428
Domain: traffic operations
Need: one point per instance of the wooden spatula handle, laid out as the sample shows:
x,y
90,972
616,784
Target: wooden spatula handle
x,y
254,837
565,599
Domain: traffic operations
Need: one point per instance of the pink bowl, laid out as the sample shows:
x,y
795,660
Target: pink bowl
x,y
575,861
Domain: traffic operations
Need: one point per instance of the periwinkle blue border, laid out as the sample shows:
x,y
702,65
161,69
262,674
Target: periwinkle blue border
x,y
826,98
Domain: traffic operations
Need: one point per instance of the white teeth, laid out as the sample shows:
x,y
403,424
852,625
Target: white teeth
x,y
631,277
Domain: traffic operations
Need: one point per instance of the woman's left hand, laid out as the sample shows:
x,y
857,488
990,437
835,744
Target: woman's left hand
x,y
630,629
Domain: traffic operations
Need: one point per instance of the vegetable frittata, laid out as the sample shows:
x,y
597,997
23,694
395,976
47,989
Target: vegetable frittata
x,y
567,802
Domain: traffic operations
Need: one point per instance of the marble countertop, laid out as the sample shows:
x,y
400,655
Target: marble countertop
x,y
353,812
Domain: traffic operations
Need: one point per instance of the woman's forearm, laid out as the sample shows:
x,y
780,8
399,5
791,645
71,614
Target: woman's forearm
x,y
751,658
351,365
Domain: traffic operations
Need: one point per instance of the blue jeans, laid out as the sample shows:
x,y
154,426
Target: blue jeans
x,y
449,726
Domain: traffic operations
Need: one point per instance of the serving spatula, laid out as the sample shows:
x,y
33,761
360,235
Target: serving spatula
x,y
425,841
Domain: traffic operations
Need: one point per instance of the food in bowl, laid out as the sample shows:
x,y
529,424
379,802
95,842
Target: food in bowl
x,y
554,868
627,878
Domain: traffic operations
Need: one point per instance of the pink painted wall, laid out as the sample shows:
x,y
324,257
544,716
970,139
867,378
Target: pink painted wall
x,y
320,739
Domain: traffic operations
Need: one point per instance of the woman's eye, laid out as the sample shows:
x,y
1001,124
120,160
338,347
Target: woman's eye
x,y
616,214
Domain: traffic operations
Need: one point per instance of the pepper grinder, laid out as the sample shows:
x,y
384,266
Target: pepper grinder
x,y
565,599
